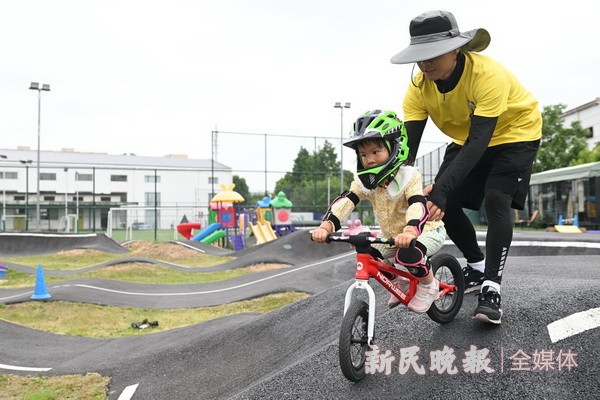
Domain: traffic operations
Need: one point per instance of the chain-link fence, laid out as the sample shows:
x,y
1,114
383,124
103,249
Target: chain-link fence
x,y
429,164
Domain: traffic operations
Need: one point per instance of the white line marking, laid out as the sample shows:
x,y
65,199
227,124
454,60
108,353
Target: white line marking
x,y
534,243
209,291
17,368
80,235
17,295
128,392
574,324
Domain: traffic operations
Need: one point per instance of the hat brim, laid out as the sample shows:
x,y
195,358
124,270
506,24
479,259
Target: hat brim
x,y
473,40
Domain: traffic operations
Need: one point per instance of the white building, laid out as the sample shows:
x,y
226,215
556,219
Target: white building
x,y
77,190
588,115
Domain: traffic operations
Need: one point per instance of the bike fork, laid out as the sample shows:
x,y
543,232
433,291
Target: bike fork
x,y
364,285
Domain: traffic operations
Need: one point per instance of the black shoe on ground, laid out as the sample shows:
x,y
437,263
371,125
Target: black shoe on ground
x,y
488,309
473,279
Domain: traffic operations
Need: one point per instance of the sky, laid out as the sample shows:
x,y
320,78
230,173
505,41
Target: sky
x,y
157,77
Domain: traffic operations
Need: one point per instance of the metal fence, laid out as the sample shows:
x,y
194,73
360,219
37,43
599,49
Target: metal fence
x,y
429,164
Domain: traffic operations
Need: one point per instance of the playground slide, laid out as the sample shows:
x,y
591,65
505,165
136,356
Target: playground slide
x,y
216,235
262,232
206,231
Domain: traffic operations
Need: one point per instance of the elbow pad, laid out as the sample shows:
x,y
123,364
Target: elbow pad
x,y
419,202
345,196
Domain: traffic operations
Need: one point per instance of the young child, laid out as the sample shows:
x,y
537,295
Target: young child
x,y
396,193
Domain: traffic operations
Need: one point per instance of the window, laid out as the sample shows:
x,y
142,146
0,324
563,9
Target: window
x,y
212,180
8,175
46,176
19,198
151,178
105,199
118,178
48,198
149,196
83,177
590,133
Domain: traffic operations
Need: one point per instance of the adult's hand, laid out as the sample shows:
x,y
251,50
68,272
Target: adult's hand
x,y
435,213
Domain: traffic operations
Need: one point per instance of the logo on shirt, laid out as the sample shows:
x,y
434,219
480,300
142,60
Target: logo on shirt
x,y
471,106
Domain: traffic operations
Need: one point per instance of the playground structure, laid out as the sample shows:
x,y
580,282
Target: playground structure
x,y
221,219
268,220
185,228
282,215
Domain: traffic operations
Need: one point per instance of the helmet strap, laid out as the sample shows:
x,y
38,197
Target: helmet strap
x,y
384,184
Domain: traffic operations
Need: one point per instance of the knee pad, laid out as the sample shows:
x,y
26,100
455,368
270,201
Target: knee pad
x,y
414,259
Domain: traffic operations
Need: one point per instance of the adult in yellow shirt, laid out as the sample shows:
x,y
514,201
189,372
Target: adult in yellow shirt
x,y
495,126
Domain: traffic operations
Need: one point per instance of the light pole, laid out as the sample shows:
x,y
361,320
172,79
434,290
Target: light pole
x,y
45,87
2,156
26,163
66,200
76,202
341,107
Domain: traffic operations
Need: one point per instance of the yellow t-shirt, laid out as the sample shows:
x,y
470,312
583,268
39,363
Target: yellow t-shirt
x,y
486,89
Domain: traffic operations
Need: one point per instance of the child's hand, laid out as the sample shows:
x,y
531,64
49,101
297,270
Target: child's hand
x,y
403,240
319,235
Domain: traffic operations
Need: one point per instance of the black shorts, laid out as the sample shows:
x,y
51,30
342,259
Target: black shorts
x,y
506,167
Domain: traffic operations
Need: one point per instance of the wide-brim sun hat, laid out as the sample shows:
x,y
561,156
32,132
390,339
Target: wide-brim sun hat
x,y
434,33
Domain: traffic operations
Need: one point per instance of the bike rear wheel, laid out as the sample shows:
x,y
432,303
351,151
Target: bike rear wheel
x,y
353,342
447,269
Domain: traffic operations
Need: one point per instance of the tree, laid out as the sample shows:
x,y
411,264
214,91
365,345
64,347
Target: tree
x,y
560,147
242,188
588,156
314,179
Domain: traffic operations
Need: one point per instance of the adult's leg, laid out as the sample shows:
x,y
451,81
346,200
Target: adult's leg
x,y
499,233
460,229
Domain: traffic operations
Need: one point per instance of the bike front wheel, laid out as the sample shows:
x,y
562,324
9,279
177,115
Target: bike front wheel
x,y
447,269
353,343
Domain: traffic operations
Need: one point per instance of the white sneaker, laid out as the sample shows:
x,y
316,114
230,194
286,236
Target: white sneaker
x,y
425,296
403,284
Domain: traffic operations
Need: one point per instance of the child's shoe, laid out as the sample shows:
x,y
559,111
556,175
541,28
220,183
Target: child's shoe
x,y
425,296
403,284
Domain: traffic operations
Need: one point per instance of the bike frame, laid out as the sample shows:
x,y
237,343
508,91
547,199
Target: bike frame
x,y
368,267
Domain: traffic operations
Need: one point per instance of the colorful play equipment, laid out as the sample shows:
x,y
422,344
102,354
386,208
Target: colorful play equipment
x,y
282,215
225,213
263,232
263,210
206,232
227,224
185,229
214,236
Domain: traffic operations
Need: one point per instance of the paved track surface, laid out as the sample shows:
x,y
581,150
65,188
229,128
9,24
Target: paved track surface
x,y
291,353
33,244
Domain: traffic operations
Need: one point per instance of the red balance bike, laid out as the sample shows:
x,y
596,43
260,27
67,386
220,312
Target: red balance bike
x,y
358,324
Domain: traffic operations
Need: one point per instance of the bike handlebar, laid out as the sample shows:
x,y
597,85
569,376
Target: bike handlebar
x,y
363,239
358,240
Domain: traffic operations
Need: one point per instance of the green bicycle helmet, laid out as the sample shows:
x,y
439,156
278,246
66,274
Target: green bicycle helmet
x,y
379,124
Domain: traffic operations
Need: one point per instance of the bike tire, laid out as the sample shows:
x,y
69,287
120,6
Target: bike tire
x,y
353,342
447,269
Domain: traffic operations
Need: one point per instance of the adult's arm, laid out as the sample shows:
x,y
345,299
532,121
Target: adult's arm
x,y
414,130
480,134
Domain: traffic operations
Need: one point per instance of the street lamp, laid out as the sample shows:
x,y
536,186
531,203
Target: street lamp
x,y
339,105
45,87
